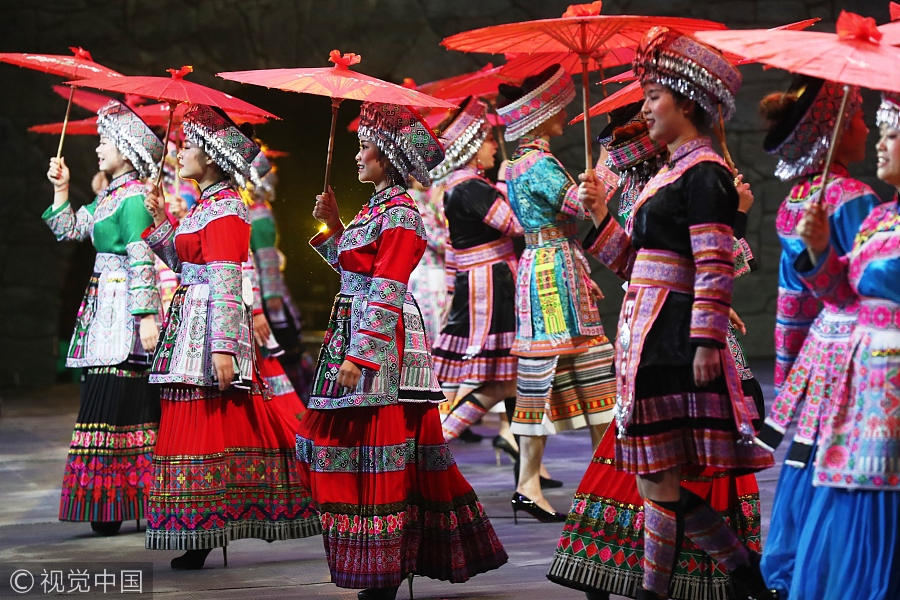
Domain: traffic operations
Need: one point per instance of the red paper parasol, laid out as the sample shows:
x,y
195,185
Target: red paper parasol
x,y
78,66
80,127
338,83
581,32
174,90
855,55
633,92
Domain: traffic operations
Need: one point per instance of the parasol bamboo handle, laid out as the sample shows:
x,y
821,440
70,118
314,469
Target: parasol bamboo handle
x,y
720,135
162,161
829,158
62,135
585,82
335,103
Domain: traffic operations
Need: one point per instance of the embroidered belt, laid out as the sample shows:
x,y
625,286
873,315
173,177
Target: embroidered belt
x,y
106,261
880,314
551,232
354,284
659,268
192,274
484,254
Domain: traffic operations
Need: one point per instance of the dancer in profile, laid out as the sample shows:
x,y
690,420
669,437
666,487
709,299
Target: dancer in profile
x,y
565,379
392,500
680,406
224,467
108,470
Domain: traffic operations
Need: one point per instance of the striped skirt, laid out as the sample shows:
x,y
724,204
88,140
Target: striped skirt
x,y
108,470
392,499
561,393
602,542
225,469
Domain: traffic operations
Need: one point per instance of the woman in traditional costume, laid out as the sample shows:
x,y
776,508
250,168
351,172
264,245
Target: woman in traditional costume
x,y
601,548
680,408
108,470
471,356
224,467
392,499
811,338
564,378
849,543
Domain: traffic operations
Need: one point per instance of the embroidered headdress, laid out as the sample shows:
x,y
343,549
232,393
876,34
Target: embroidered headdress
x,y
463,137
133,138
632,153
222,140
801,133
404,137
539,98
888,114
692,69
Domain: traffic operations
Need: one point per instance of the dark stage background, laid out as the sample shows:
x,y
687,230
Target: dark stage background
x,y
42,280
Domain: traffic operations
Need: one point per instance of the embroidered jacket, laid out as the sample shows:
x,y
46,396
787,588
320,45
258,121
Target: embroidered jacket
x,y
677,251
848,202
125,267
380,246
207,248
555,310
860,434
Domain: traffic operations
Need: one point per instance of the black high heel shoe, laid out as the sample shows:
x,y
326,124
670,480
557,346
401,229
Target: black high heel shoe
x,y
747,582
596,595
106,528
523,503
385,593
470,437
193,560
546,482
502,444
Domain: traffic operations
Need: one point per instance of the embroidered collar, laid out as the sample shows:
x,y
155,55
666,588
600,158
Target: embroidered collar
x,y
689,147
118,182
536,142
215,188
386,194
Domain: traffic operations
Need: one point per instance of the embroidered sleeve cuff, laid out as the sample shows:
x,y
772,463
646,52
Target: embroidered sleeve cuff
x,y
712,245
162,241
143,294
271,280
611,245
62,221
828,278
571,205
225,306
326,244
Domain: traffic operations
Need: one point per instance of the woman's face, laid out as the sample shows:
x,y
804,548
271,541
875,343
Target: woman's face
x,y
109,159
666,120
888,149
192,162
484,158
852,147
370,165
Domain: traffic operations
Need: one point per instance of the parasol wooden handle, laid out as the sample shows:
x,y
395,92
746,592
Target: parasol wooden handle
x,y
720,135
62,134
335,104
162,161
585,102
829,158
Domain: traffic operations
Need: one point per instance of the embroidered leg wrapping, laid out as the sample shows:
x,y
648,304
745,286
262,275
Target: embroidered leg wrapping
x,y
461,418
710,533
660,545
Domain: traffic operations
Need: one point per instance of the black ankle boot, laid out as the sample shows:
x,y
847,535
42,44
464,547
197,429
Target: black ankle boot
x,y
747,582
191,560
597,595
385,593
106,528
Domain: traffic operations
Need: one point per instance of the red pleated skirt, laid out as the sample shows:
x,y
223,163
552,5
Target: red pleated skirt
x,y
602,542
225,469
392,499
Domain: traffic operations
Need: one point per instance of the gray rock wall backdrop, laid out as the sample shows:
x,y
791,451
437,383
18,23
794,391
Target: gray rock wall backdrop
x,y
42,280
